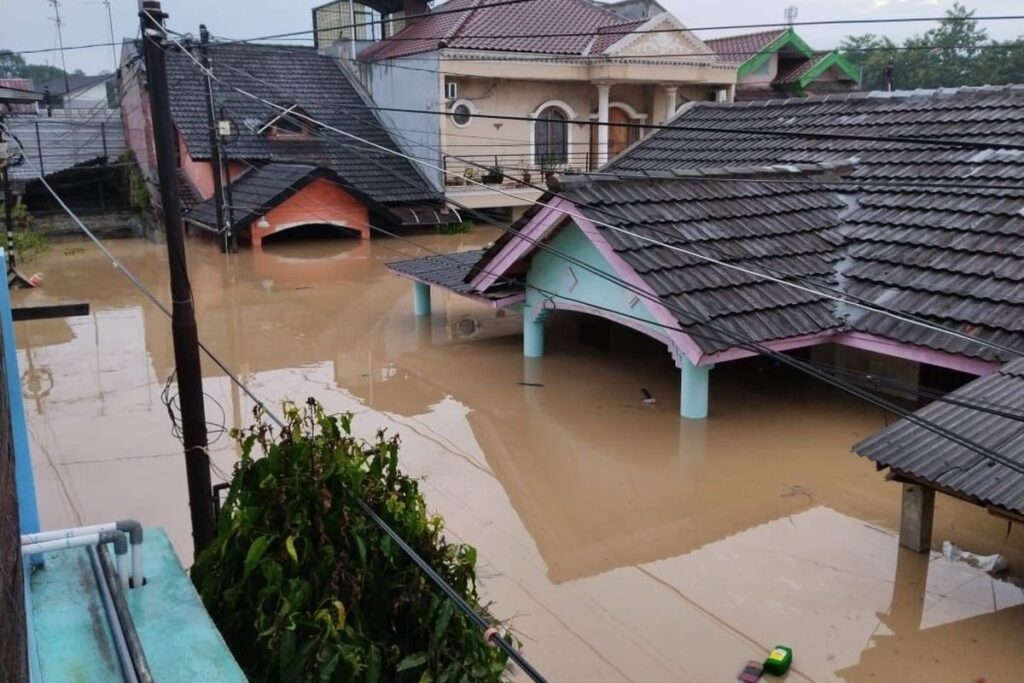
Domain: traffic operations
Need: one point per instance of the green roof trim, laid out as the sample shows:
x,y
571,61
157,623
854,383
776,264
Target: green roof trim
x,y
787,39
835,59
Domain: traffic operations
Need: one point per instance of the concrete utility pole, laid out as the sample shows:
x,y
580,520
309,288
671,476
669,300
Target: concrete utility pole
x,y
183,321
214,141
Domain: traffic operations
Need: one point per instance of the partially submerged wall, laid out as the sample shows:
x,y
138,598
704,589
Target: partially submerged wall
x,y
13,645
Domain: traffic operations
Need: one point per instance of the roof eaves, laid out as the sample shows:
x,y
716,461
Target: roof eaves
x,y
788,38
835,59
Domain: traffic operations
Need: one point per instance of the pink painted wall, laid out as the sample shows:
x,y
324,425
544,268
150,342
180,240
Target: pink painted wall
x,y
135,117
200,173
319,202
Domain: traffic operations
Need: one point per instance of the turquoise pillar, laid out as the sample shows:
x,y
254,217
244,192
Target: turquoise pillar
x,y
24,479
421,298
693,390
533,335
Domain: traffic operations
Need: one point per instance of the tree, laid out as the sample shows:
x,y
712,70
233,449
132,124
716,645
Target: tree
x,y
11,64
955,53
305,587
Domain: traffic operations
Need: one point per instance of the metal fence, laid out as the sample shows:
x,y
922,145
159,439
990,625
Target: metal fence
x,y
510,168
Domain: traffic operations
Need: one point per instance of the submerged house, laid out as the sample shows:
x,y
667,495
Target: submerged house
x,y
732,242
451,67
780,64
285,171
988,416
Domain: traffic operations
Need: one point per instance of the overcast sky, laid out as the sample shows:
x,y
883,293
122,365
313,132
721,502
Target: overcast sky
x,y
27,24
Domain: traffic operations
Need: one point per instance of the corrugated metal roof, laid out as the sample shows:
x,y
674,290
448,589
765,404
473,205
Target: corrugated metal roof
x,y
71,137
919,453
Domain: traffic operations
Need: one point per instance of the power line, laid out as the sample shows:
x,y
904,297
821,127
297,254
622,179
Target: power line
x,y
738,340
769,25
976,404
689,252
611,30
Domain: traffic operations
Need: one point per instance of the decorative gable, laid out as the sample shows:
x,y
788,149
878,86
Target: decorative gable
x,y
662,34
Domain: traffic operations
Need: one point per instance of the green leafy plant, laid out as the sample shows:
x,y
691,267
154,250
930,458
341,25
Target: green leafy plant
x,y
303,585
455,228
138,189
28,242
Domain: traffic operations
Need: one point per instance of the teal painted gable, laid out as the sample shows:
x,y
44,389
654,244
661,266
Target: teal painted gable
x,y
551,273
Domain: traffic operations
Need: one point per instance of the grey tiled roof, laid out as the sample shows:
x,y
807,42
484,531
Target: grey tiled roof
x,y
293,75
444,270
953,255
757,226
919,453
256,192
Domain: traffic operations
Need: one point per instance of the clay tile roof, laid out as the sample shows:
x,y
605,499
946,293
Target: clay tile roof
x,y
589,25
951,254
296,75
914,451
743,47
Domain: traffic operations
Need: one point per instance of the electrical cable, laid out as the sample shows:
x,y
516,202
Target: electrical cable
x,y
689,252
611,30
992,456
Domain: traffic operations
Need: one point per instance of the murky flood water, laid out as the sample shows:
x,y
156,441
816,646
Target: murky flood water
x,y
623,543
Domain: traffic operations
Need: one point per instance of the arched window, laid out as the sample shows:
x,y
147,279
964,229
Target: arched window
x,y
551,137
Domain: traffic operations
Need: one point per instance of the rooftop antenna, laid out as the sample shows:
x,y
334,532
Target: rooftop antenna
x,y
110,25
67,85
790,13
60,42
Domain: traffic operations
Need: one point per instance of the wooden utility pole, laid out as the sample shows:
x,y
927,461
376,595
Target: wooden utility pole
x,y
183,321
223,231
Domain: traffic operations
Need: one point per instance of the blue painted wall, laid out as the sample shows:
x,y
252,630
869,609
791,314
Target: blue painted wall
x,y
552,273
410,83
24,480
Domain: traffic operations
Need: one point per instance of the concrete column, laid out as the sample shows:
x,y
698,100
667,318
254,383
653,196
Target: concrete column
x,y
670,101
916,518
603,91
693,390
421,298
533,335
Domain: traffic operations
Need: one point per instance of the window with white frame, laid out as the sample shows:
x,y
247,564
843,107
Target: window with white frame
x,y
551,137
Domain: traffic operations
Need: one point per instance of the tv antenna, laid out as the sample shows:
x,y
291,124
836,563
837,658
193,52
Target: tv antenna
x,y
791,13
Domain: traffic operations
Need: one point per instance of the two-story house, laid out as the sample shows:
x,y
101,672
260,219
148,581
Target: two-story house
x,y
575,80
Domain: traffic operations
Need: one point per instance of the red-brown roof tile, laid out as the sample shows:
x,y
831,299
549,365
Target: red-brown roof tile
x,y
743,47
592,27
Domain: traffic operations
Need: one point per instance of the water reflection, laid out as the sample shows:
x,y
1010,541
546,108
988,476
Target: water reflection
x,y
625,543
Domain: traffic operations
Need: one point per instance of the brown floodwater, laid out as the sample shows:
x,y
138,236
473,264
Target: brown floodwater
x,y
619,541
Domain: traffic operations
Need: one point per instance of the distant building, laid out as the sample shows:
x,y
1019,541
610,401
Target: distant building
x,y
77,91
286,171
19,96
779,63
625,64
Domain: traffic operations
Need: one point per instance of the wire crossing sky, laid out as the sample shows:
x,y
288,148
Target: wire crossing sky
x,y
27,24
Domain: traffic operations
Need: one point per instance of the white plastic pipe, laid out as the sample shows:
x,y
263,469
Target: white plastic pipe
x,y
29,539
130,527
118,538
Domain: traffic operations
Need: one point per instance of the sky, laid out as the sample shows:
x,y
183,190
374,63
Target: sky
x,y
27,24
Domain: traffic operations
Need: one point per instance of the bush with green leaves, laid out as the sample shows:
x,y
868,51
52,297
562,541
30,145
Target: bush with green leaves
x,y
28,242
304,586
